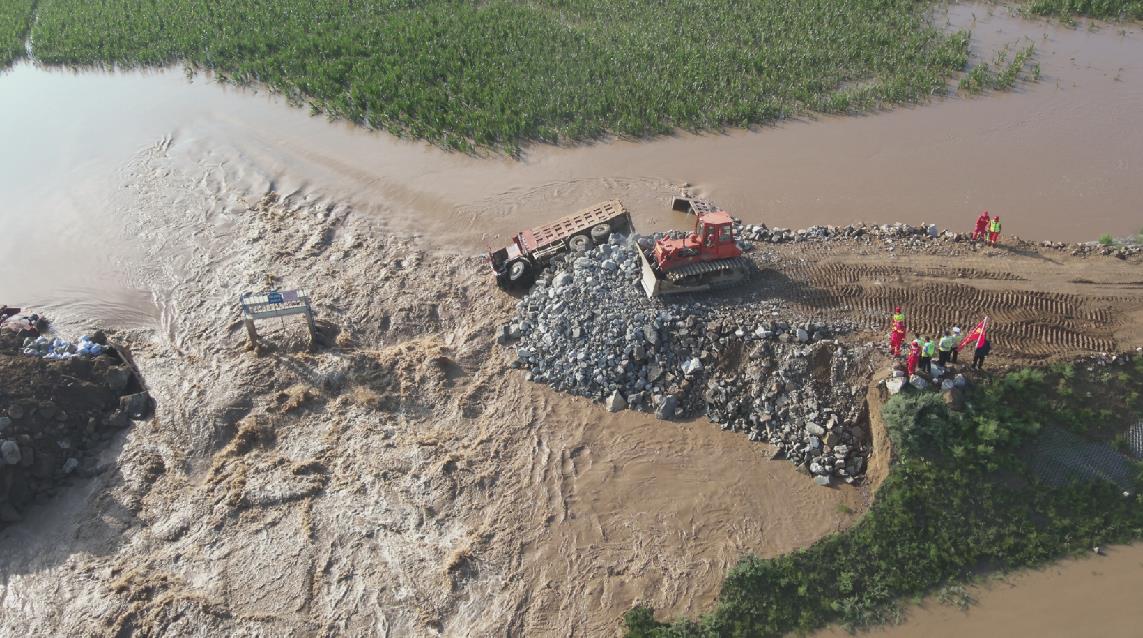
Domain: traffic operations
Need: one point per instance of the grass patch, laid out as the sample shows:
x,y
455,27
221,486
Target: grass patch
x,y
958,503
1001,73
15,20
1105,9
1106,239
496,74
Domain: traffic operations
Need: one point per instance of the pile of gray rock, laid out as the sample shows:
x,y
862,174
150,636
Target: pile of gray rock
x,y
761,233
587,328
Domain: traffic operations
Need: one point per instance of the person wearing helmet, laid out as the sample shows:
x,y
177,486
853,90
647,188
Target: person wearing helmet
x,y
981,226
956,338
896,338
994,230
898,316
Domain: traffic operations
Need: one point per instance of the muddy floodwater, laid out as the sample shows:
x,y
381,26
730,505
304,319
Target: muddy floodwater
x,y
1090,596
127,199
1057,159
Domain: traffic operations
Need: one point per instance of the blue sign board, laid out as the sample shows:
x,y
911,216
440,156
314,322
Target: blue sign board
x,y
274,297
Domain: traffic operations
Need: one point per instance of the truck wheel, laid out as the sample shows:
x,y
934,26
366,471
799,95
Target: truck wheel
x,y
579,243
600,233
518,271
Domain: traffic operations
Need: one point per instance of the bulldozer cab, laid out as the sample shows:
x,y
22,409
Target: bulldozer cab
x,y
715,232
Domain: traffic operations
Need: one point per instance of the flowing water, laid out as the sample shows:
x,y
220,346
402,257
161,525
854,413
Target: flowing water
x,y
1058,159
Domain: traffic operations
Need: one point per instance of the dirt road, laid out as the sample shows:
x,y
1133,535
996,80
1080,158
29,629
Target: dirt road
x,y
1042,302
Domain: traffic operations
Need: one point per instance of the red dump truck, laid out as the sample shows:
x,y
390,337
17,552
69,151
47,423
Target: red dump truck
x,y
516,265
708,258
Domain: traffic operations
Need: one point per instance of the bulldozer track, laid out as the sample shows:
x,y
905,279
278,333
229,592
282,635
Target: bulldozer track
x,y
844,273
702,268
1025,323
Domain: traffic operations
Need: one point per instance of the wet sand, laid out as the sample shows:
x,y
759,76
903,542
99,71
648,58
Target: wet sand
x,y
1058,159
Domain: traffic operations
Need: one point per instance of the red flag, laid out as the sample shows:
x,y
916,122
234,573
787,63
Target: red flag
x,y
978,333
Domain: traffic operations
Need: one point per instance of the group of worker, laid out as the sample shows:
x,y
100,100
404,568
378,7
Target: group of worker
x,y
987,228
921,353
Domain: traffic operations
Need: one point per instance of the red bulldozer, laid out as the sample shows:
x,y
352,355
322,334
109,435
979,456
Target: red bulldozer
x,y
707,259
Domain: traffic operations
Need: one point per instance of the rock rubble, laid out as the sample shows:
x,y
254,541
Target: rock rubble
x,y
587,328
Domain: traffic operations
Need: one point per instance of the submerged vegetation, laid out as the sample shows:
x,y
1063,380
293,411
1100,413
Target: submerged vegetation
x,y
961,499
15,20
1002,73
1106,9
500,73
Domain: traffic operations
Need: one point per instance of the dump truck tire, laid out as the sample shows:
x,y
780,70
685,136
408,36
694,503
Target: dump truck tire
x,y
579,243
600,233
518,271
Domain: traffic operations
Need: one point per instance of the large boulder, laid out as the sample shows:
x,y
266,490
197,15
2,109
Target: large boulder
x,y
117,378
615,402
136,406
692,366
895,385
10,452
667,408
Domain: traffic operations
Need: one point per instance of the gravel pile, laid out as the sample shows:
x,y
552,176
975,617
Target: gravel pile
x,y
587,328
918,236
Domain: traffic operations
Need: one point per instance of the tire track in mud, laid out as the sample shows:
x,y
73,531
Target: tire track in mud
x,y
1025,323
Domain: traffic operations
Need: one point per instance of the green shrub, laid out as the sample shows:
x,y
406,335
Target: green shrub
x,y
1106,239
919,424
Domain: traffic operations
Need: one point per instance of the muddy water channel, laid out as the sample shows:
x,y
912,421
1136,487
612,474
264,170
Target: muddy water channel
x,y
1089,596
1058,159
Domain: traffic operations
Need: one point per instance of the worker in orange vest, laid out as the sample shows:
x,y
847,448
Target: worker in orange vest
x,y
981,226
896,338
914,357
994,230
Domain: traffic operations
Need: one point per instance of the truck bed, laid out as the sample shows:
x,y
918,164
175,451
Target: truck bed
x,y
541,237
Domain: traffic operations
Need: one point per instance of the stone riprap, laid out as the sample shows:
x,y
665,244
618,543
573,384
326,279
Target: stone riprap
x,y
587,328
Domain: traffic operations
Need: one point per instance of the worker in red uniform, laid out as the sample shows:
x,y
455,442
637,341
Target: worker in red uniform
x,y
896,338
981,226
914,357
994,230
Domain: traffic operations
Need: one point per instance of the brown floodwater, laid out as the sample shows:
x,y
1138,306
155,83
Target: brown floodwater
x,y
1093,597
1058,159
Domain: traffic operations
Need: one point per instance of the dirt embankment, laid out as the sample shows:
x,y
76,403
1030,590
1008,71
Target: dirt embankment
x,y
55,417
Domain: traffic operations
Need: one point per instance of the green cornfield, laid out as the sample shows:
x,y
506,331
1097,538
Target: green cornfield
x,y
1108,9
15,19
497,73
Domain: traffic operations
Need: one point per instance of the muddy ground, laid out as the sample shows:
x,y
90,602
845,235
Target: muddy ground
x,y
402,480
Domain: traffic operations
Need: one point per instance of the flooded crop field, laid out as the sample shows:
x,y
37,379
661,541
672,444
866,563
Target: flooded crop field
x,y
407,478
